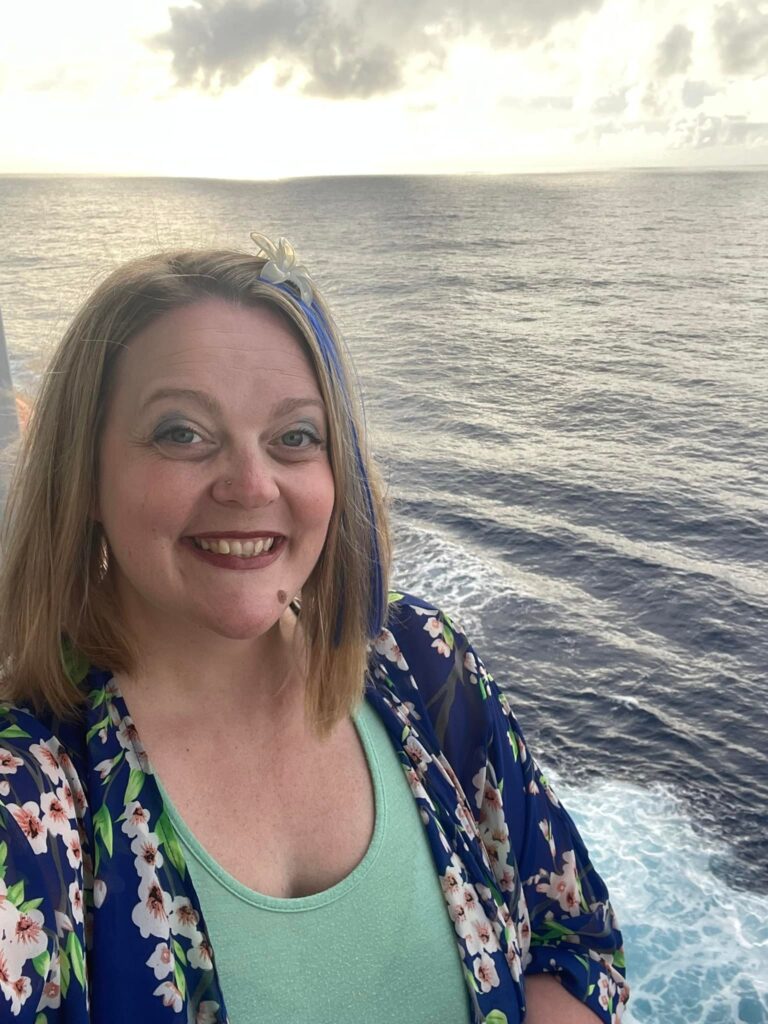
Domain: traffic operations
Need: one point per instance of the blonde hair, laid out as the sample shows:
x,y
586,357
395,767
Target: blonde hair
x,y
55,593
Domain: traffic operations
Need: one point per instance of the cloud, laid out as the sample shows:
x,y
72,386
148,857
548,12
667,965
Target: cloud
x,y
694,93
342,48
741,38
615,103
674,55
704,132
537,102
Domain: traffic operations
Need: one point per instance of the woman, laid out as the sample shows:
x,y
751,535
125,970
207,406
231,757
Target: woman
x,y
195,569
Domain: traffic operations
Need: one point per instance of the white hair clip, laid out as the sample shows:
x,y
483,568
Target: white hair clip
x,y
281,266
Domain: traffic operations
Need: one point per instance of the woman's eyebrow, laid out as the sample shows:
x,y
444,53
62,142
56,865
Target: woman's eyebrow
x,y
285,406
190,394
289,404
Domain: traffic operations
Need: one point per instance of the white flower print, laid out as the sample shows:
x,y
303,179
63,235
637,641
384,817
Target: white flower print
x,y
136,819
417,753
161,961
146,847
442,647
9,762
183,917
18,991
485,972
514,961
27,818
199,955
74,849
29,935
434,627
63,923
105,767
150,915
128,737
170,995
47,755
546,830
76,901
51,995
99,892
385,644
415,783
56,817
5,787
564,886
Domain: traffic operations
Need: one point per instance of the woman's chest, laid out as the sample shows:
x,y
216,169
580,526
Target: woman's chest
x,y
285,822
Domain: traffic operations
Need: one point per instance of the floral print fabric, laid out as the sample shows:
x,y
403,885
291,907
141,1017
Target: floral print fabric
x,y
99,921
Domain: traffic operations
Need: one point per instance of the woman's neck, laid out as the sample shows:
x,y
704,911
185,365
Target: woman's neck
x,y
207,676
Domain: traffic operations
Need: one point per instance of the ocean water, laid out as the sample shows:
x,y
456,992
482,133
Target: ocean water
x,y
566,383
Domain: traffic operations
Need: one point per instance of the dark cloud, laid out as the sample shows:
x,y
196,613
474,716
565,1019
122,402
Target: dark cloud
x,y
741,37
703,132
615,103
343,48
694,93
674,55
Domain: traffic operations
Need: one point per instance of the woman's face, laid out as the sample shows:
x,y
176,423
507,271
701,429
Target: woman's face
x,y
215,489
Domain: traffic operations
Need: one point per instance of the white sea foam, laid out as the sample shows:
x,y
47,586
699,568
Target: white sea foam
x,y
697,950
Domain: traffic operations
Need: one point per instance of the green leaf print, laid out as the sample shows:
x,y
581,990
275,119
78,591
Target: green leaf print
x,y
179,951
102,826
178,977
618,959
393,596
513,744
471,980
41,963
496,1017
65,969
166,834
14,732
41,1019
135,785
97,728
97,697
75,952
30,905
448,634
16,893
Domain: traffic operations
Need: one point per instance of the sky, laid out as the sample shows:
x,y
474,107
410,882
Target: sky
x,y
254,89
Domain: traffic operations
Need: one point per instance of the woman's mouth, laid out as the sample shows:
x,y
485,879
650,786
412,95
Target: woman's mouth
x,y
241,552
235,546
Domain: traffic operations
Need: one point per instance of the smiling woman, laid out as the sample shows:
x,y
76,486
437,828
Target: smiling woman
x,y
221,734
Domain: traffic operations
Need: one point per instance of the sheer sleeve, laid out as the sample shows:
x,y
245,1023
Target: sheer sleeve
x,y
571,930
42,934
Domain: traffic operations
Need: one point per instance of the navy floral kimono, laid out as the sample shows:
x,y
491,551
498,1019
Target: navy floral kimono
x,y
99,921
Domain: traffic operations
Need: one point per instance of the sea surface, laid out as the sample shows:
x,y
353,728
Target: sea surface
x,y
566,383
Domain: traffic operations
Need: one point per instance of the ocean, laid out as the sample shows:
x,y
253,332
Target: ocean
x,y
566,385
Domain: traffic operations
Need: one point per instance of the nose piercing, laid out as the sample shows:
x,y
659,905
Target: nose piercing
x,y
227,482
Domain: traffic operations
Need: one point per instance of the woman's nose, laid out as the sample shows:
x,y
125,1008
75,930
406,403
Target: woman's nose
x,y
247,479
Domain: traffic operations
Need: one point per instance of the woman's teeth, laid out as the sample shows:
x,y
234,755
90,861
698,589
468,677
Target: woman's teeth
x,y
239,548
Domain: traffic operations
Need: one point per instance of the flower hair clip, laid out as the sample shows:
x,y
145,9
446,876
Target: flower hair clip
x,y
281,266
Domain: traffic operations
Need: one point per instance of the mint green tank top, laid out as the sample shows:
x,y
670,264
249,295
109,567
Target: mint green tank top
x,y
377,947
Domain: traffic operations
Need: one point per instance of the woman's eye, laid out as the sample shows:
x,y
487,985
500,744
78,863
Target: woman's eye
x,y
178,434
299,438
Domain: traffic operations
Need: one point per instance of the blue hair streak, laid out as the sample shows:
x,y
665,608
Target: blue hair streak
x,y
377,605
